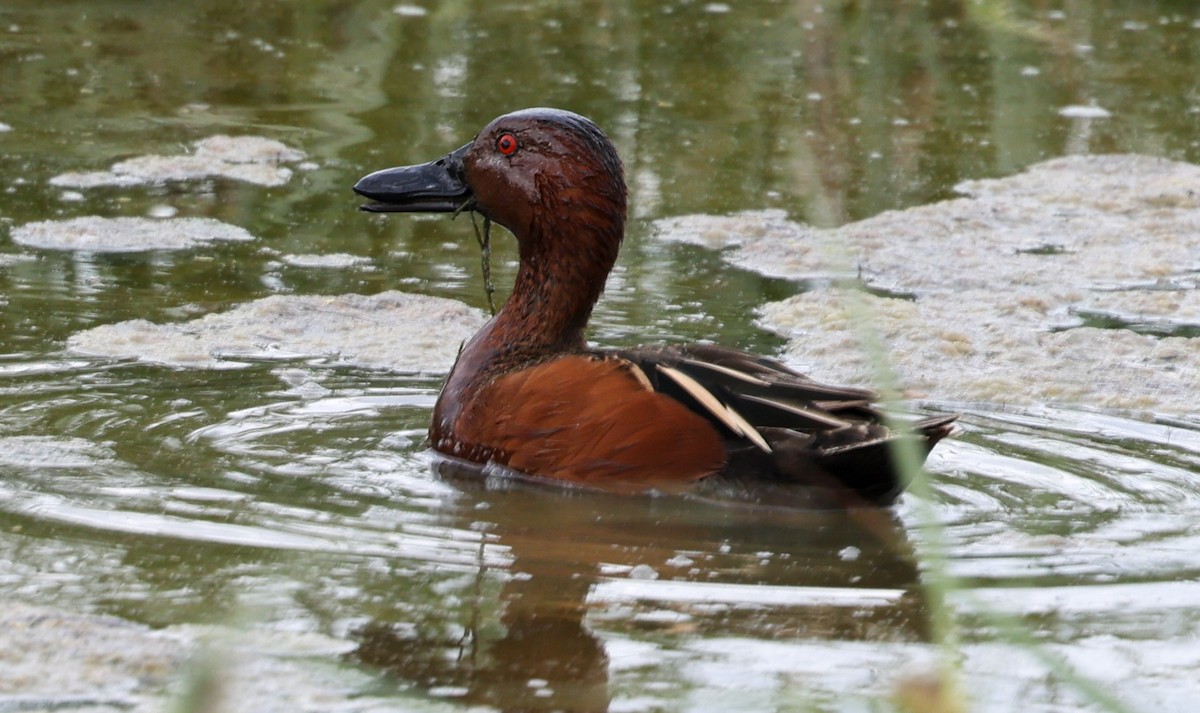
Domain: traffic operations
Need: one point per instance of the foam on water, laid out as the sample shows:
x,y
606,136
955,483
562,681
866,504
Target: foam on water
x,y
1088,111
8,259
50,453
986,296
391,330
252,159
328,260
142,668
410,11
125,235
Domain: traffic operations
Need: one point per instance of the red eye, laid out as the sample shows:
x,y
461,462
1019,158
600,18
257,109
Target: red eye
x,y
507,144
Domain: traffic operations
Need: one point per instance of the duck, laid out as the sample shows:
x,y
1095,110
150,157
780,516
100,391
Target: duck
x,y
529,395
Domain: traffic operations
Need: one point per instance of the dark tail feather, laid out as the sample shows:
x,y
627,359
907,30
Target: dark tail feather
x,y
857,465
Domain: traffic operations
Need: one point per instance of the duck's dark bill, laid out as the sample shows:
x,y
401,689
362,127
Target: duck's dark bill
x,y
434,187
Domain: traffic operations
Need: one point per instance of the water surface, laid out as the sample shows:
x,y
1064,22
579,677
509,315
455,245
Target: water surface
x,y
293,497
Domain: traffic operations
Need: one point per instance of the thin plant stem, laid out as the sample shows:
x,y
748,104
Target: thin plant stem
x,y
939,583
485,248
484,238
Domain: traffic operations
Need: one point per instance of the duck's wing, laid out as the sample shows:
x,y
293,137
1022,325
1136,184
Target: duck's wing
x,y
784,426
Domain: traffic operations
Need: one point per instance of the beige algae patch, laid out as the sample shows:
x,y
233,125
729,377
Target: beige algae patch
x,y
1010,284
124,235
58,659
391,330
326,260
1085,111
9,259
47,453
961,351
251,159
55,660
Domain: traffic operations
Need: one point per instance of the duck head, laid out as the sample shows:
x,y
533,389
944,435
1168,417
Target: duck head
x,y
545,174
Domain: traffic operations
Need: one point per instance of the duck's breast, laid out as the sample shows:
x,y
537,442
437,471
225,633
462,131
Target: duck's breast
x,y
586,419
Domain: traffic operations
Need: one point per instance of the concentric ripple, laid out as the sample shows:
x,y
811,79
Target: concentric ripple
x,y
304,494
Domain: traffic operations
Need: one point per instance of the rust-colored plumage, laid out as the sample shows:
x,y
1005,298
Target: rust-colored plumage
x,y
585,419
527,392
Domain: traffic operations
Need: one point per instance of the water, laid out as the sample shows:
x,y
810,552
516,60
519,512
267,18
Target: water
x,y
283,513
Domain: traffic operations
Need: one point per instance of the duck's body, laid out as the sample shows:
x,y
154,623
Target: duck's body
x,y
528,393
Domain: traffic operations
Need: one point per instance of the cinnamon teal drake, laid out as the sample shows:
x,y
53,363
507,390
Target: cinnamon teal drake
x,y
528,393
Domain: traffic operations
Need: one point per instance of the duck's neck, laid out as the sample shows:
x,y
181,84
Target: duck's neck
x,y
544,316
561,275
558,283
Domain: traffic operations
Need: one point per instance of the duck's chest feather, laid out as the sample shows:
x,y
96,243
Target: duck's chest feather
x,y
580,418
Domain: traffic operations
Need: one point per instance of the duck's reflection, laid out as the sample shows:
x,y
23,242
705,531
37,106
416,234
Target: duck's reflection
x,y
531,648
543,658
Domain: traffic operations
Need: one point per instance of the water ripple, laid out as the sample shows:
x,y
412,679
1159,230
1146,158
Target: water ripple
x,y
308,493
